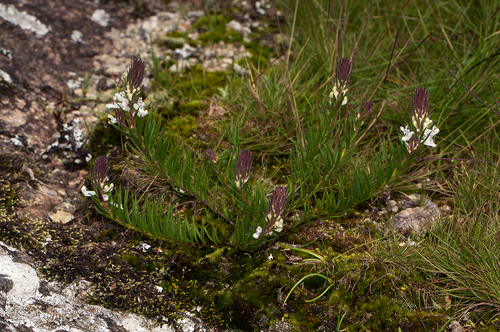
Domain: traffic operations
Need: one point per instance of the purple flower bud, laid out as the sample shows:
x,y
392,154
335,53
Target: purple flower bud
x,y
277,202
421,101
135,75
420,109
343,73
100,175
277,205
211,155
365,110
243,167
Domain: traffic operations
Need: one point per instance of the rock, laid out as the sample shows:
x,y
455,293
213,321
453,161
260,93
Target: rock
x,y
444,208
76,36
240,70
110,65
456,327
243,30
28,303
195,14
185,52
100,17
414,219
183,64
5,76
61,216
28,22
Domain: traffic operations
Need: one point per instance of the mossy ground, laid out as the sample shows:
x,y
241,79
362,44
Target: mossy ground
x,y
231,289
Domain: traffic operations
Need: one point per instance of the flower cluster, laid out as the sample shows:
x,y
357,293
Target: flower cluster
x,y
424,131
212,156
128,100
99,179
274,218
343,73
276,209
243,168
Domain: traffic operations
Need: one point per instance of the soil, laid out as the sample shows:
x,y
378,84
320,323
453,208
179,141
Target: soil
x,y
35,105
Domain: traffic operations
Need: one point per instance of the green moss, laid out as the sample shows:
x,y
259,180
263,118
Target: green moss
x,y
176,39
182,125
205,22
182,108
212,29
220,34
103,139
199,84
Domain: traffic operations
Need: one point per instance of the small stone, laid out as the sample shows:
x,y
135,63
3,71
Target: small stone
x,y
76,36
62,217
195,14
73,84
6,77
415,219
182,64
100,17
444,208
20,104
456,327
185,52
194,35
243,30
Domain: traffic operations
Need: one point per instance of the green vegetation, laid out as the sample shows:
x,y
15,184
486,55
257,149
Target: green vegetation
x,y
314,180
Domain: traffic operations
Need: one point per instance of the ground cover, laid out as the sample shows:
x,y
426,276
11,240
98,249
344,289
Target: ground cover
x,y
334,163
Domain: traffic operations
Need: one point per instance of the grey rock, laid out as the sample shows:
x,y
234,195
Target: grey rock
x,y
456,327
185,52
195,14
414,219
26,21
30,304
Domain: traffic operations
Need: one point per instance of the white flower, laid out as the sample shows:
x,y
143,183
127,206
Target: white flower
x,y
88,158
429,136
335,94
87,193
105,197
278,225
425,125
159,289
139,107
407,134
116,205
108,188
112,119
270,257
257,232
120,101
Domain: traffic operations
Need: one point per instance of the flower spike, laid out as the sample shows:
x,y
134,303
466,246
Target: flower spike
x,y
135,76
277,205
243,167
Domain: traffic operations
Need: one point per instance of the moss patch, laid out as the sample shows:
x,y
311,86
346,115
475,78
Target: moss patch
x,y
199,84
103,139
212,29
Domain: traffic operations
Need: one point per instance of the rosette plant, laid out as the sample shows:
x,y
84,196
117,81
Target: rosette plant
x,y
231,202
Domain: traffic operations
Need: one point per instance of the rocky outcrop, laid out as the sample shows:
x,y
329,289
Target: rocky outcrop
x,y
28,303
